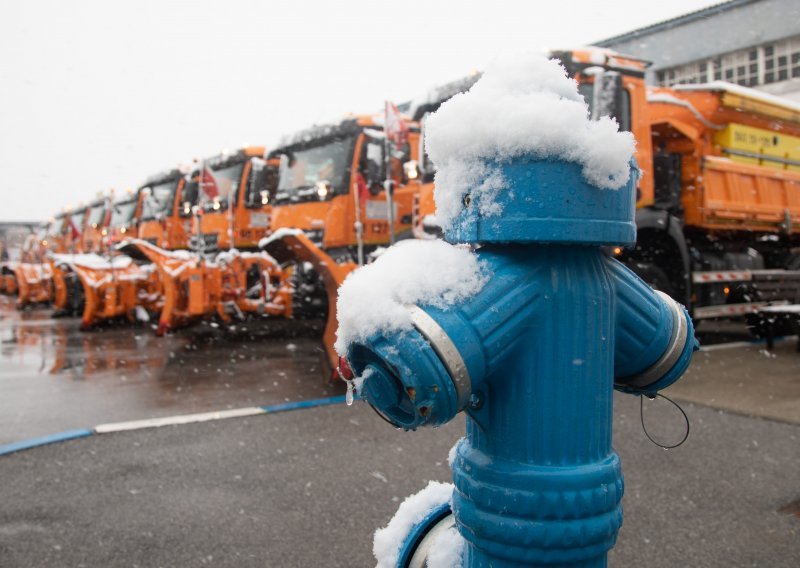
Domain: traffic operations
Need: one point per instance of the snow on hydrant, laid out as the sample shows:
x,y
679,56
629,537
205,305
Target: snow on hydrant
x,y
523,322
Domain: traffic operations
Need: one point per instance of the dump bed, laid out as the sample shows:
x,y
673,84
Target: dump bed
x,y
739,151
731,195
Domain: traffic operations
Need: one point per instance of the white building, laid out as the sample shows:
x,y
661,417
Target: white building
x,y
755,43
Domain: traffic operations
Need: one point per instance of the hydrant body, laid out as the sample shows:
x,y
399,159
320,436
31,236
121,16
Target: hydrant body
x,y
533,359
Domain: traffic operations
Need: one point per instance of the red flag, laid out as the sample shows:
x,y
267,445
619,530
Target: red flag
x,y
73,230
395,126
361,188
208,183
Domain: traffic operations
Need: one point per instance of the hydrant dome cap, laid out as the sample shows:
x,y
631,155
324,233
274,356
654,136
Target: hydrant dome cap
x,y
549,201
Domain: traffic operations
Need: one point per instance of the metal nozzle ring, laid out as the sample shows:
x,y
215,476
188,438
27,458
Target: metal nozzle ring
x,y
446,350
677,342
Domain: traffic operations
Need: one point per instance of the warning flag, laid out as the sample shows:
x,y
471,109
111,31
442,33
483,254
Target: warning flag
x,y
208,184
395,126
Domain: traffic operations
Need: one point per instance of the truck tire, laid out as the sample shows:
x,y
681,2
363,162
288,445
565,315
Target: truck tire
x,y
655,277
310,299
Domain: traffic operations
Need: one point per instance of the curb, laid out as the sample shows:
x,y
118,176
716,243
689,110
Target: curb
x,y
110,428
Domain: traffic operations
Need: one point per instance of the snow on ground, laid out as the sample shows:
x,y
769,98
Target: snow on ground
x,y
523,105
388,540
373,299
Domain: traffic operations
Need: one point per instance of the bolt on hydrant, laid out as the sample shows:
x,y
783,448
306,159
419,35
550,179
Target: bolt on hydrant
x,y
533,354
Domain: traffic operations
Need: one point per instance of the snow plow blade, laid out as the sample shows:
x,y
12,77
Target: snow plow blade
x,y
232,285
292,246
117,289
34,283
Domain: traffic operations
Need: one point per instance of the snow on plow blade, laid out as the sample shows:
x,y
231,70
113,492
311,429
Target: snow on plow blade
x,y
114,289
34,283
233,285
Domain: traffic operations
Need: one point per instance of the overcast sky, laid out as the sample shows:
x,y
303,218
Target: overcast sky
x,y
100,94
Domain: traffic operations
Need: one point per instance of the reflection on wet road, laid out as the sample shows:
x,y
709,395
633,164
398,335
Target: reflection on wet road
x,y
54,377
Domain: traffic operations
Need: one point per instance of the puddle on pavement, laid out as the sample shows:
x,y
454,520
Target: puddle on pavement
x,y
55,377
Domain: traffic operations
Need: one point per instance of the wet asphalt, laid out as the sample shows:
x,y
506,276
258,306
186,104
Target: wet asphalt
x,y
54,377
308,488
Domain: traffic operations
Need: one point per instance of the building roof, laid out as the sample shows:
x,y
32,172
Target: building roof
x,y
674,22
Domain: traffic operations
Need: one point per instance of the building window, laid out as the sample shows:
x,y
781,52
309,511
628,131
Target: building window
x,y
750,67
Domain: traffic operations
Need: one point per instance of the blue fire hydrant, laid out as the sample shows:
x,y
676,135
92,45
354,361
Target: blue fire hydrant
x,y
533,360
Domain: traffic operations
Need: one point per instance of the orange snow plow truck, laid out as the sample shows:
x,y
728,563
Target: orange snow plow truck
x,y
225,203
718,210
222,202
343,191
229,195
113,286
33,277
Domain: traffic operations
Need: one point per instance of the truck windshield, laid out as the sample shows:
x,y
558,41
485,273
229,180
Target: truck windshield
x,y
329,162
160,200
122,213
77,219
96,215
218,185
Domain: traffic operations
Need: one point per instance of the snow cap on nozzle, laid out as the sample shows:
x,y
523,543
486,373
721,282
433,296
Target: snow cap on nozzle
x,y
519,160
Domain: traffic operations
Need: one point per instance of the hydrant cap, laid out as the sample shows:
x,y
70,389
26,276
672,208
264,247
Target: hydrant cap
x,y
549,201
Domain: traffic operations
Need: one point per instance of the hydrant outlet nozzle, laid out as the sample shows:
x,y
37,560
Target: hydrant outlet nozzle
x,y
406,381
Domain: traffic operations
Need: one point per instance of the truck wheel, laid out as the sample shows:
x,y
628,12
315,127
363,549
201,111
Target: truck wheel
x,y
310,299
653,275
76,295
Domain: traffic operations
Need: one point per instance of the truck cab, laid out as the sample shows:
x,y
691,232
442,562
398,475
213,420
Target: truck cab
x,y
233,193
36,245
162,221
96,228
55,239
124,218
330,177
718,212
